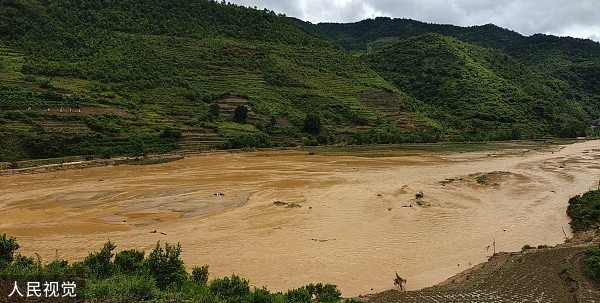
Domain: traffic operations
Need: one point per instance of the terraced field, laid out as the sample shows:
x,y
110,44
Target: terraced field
x,y
549,275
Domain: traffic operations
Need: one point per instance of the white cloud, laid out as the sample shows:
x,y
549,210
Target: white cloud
x,y
578,18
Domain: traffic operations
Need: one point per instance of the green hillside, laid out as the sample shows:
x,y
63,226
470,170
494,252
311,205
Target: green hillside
x,y
569,67
131,77
483,91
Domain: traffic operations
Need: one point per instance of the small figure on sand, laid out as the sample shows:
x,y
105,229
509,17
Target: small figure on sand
x,y
399,282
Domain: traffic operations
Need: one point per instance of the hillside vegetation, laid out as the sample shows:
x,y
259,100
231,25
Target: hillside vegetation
x,y
584,210
562,72
132,77
105,78
483,91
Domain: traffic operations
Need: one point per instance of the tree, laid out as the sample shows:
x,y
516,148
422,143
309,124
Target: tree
x,y
138,147
171,132
165,266
240,114
312,124
231,290
100,263
200,274
215,110
129,261
8,246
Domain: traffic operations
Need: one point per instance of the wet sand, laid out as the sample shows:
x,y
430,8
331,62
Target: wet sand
x,y
355,227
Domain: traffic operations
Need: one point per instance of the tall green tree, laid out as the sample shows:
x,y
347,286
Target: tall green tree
x,y
240,114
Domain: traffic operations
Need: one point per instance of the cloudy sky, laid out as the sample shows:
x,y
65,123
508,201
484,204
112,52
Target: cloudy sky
x,y
576,18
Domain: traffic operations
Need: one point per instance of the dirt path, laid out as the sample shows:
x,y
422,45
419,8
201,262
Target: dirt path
x,y
355,227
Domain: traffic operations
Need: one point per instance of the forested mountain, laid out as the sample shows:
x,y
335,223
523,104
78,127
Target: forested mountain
x,y
482,89
135,76
569,67
83,77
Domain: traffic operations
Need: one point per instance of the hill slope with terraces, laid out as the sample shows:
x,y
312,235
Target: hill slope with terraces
x,y
132,77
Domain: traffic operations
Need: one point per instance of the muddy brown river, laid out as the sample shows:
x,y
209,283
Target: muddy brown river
x,y
358,223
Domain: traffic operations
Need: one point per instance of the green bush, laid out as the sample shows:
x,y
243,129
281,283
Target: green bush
x,y
129,261
57,270
170,132
99,291
215,110
261,295
299,295
8,246
138,287
246,140
584,210
165,266
592,263
240,114
312,124
235,289
100,263
200,274
23,269
324,293
122,288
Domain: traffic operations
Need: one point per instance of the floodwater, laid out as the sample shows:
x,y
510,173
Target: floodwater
x,y
359,222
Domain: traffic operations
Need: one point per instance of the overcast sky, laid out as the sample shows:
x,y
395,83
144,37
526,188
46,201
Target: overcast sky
x,y
576,18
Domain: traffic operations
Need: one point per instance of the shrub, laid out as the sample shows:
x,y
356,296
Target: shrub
x,y
240,114
312,124
584,210
215,110
483,180
231,290
23,269
169,132
99,291
129,261
8,246
592,263
122,288
261,295
165,266
258,139
200,274
57,270
300,295
137,287
324,293
100,263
